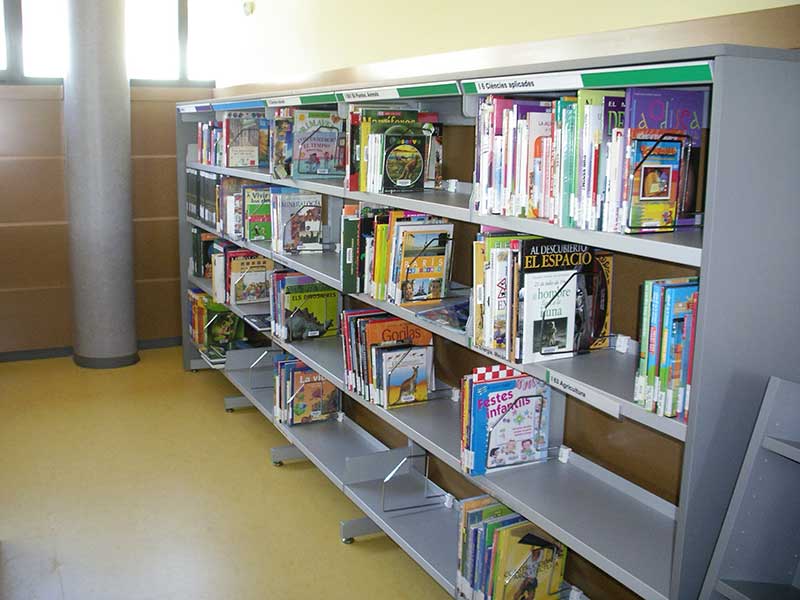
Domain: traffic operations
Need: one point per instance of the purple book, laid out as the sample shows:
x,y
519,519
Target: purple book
x,y
658,108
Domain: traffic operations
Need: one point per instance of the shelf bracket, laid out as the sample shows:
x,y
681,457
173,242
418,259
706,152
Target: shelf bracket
x,y
353,528
233,403
280,454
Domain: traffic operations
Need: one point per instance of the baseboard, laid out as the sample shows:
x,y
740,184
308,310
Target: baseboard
x,y
16,355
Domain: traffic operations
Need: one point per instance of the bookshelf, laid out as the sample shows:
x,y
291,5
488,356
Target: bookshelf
x,y
657,549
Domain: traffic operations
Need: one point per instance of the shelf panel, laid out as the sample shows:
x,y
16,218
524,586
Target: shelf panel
x,y
621,535
787,448
324,355
751,590
451,205
241,310
684,247
261,398
429,535
322,266
261,248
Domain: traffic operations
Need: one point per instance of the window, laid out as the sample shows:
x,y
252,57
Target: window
x,y
202,54
44,39
151,39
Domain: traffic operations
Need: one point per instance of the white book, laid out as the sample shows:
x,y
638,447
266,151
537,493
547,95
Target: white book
x,y
218,277
549,326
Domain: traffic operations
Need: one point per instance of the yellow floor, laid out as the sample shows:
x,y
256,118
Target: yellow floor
x,y
134,484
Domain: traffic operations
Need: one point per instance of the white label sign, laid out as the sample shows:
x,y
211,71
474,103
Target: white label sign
x,y
284,101
575,388
529,83
371,94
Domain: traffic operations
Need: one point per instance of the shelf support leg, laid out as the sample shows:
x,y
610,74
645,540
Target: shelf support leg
x,y
353,528
282,453
233,403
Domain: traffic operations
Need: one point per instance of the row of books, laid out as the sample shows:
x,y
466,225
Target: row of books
x,y
238,139
213,327
301,394
505,419
238,276
666,345
606,160
388,361
301,308
537,298
503,556
396,255
392,148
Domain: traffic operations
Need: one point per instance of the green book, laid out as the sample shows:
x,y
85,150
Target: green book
x,y
348,255
256,201
310,311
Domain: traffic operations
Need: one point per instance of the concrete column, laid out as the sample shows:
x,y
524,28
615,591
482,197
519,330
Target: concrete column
x,y
97,133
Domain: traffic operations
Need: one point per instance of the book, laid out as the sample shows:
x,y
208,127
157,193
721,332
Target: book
x,y
403,162
406,375
296,221
677,305
281,147
263,142
424,263
378,120
311,397
310,311
348,255
256,201
249,280
241,139
316,150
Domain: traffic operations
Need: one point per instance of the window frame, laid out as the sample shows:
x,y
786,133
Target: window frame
x,y
14,74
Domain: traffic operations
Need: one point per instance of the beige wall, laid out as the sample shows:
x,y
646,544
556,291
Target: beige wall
x,y
35,306
319,35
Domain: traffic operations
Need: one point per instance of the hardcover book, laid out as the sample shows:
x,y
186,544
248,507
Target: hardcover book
x,y
424,264
241,139
311,398
256,200
281,151
317,151
249,280
310,311
406,375
404,162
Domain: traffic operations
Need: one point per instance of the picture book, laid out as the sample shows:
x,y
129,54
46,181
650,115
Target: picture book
x,y
312,398
424,264
527,564
657,178
509,419
256,200
310,311
241,139
263,142
348,255
296,221
472,522
406,376
233,226
455,315
378,121
281,147
403,161
677,305
484,550
316,150
249,280
469,506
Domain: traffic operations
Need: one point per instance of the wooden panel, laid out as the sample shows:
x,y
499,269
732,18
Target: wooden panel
x,y
463,236
641,455
152,128
596,584
168,94
34,256
35,319
458,144
158,309
629,273
156,249
31,92
154,187
31,128
33,190
454,361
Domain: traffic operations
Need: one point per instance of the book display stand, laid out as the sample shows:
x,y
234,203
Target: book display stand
x,y
658,548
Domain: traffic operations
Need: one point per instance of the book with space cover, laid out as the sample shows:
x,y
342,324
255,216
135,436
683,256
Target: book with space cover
x,y
317,151
240,134
310,311
256,201
405,375
507,421
296,221
657,170
249,279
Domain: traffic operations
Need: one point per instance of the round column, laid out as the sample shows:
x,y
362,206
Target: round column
x,y
97,135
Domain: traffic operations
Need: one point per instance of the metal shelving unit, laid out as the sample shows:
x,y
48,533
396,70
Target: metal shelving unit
x,y
658,550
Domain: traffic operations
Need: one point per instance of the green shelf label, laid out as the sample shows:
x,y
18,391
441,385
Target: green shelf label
x,y
435,89
318,98
469,87
696,73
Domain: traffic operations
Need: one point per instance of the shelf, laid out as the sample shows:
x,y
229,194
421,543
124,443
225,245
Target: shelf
x,y
256,247
786,448
621,535
429,535
751,590
261,398
683,247
322,266
586,512
241,310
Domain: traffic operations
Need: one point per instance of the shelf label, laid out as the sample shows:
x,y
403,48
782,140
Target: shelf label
x,y
657,74
426,90
283,101
578,390
238,105
301,100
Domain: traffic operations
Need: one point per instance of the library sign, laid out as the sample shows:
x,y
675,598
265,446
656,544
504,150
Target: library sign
x,y
424,90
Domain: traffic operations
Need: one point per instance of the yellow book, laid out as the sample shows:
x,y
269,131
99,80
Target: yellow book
x,y
379,276
526,565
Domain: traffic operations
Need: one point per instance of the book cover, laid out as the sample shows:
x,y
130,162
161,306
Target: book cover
x,y
241,139
677,304
263,142
391,329
666,108
378,121
406,375
348,255
656,170
298,223
281,147
424,264
404,162
249,280
313,398
468,507
473,521
509,414
315,151
310,311
256,200
527,564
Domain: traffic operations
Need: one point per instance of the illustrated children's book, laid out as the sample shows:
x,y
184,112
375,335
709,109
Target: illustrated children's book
x,y
318,144
526,564
509,419
311,397
281,138
249,277
403,162
424,264
310,311
296,221
240,139
405,375
256,201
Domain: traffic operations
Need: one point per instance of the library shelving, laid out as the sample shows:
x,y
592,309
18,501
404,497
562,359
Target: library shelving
x,y
658,549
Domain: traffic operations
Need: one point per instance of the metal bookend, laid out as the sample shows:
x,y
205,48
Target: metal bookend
x,y
552,451
252,371
426,495
325,245
434,393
